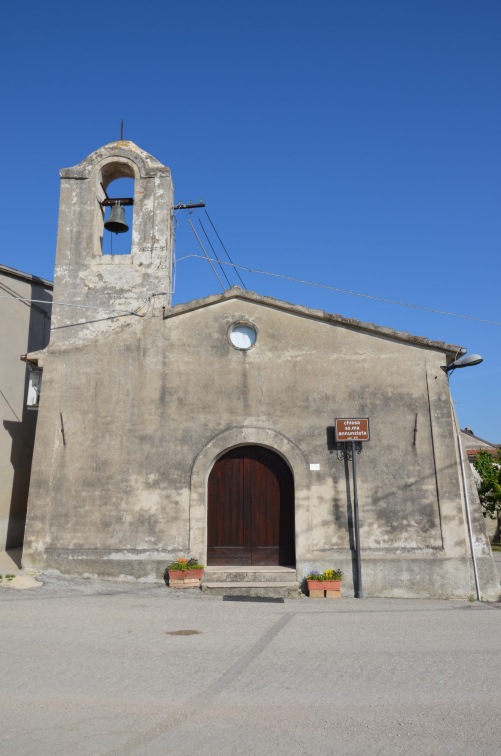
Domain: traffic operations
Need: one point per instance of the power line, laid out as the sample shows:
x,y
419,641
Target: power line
x,y
206,255
215,253
352,293
118,313
227,253
28,302
71,304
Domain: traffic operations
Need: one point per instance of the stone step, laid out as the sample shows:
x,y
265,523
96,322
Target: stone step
x,y
250,575
258,588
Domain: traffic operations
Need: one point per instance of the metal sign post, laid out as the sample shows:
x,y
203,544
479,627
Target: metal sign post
x,y
351,432
359,592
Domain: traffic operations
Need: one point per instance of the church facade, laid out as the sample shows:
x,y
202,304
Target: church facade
x,y
206,428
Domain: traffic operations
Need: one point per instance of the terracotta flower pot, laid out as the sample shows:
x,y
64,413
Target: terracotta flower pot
x,y
185,578
316,585
176,574
332,585
181,574
316,588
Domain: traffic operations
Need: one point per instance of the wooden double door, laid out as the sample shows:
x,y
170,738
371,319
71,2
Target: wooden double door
x,y
251,509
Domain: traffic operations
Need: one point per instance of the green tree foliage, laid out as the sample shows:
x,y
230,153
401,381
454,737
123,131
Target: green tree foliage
x,y
488,467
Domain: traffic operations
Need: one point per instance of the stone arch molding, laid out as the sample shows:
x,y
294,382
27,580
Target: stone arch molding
x,y
220,444
146,165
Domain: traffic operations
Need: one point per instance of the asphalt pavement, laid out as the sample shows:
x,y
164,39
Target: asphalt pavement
x,y
96,667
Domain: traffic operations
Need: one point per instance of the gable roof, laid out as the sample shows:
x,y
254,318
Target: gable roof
x,y
473,444
13,273
236,293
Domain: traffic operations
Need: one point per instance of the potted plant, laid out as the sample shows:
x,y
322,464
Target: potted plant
x,y
315,581
324,584
184,573
332,580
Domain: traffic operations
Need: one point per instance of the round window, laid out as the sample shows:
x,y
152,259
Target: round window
x,y
242,336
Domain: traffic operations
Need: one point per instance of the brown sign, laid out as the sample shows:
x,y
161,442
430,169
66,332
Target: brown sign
x,y
352,429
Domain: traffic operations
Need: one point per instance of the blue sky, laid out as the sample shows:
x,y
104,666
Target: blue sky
x,y
350,144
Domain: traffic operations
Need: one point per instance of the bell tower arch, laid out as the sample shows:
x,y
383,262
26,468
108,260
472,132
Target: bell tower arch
x,y
93,290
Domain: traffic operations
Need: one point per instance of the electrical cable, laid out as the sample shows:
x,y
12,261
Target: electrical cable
x,y
121,313
70,304
206,255
227,253
352,293
215,253
27,302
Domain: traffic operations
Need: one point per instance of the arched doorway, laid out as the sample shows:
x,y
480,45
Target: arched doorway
x,y
250,509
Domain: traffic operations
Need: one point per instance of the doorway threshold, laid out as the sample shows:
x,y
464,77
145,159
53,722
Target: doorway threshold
x,y
260,581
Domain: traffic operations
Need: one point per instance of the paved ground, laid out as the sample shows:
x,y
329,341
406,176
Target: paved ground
x,y
94,667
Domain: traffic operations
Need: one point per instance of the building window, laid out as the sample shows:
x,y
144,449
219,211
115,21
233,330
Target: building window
x,y
242,335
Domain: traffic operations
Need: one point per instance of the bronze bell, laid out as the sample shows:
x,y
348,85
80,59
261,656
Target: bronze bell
x,y
116,222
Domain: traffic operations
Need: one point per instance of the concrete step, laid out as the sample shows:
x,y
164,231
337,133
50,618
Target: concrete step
x,y
259,588
271,582
250,575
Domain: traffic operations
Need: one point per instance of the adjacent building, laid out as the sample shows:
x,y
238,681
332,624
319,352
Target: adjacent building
x,y
472,445
25,309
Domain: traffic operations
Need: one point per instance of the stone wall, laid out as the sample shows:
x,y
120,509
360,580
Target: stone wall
x,y
149,409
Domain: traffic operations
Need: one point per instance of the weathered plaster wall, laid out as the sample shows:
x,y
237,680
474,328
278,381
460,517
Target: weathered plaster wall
x,y
24,327
97,289
149,408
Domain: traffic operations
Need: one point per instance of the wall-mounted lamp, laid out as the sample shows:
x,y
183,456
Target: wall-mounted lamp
x,y
34,386
467,360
